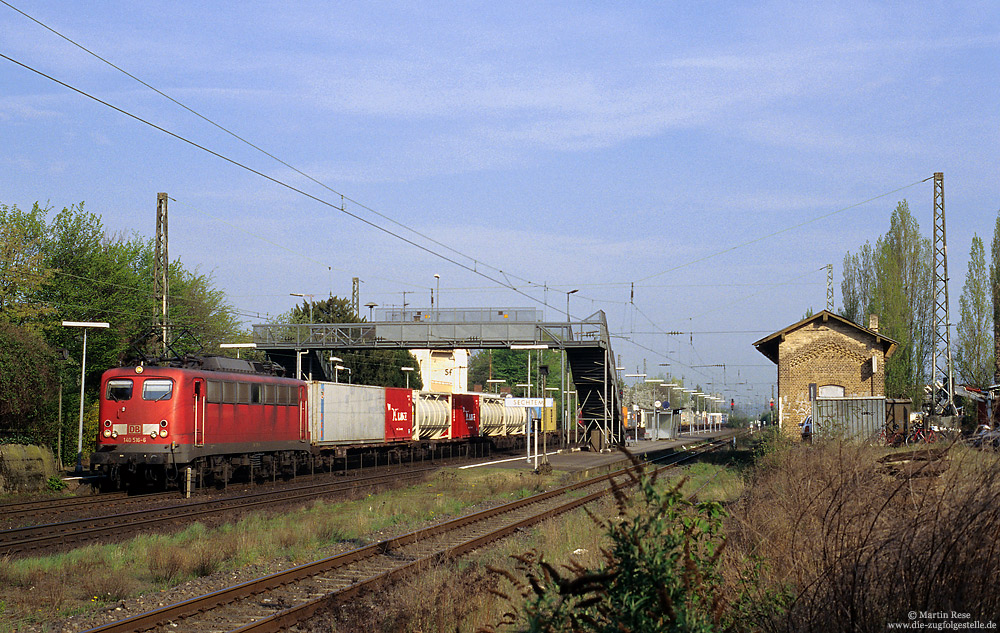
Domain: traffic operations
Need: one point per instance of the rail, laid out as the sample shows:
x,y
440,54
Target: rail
x,y
314,586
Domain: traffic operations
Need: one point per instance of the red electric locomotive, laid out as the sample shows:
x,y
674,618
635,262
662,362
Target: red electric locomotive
x,y
154,420
220,418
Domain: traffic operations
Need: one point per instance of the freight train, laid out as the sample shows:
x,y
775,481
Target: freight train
x,y
223,420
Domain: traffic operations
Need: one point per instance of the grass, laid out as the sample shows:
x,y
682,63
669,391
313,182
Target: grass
x,y
459,595
47,589
463,595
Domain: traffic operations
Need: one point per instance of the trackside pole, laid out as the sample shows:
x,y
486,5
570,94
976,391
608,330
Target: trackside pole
x,y
537,424
527,436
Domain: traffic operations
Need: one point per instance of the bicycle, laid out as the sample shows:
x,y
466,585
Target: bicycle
x,y
920,435
891,436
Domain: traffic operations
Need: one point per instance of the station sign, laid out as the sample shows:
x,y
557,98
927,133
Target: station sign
x,y
528,402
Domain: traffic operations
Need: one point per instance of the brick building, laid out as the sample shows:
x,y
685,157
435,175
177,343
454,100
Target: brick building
x,y
825,355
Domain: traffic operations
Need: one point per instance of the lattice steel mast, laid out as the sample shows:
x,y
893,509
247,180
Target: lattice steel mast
x,y
829,287
161,277
943,372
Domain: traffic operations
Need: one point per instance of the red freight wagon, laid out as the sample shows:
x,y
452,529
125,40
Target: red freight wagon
x,y
398,414
464,415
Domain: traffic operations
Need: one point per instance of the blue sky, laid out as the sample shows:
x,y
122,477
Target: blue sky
x,y
571,145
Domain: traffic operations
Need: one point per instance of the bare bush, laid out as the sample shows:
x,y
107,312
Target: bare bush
x,y
860,545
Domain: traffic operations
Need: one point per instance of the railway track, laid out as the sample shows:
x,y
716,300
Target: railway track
x,y
278,601
20,511
37,539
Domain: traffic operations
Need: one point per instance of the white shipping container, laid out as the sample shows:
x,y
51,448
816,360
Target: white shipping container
x,y
346,414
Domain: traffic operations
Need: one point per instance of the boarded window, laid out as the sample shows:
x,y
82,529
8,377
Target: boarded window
x,y
831,391
243,392
229,392
270,394
214,391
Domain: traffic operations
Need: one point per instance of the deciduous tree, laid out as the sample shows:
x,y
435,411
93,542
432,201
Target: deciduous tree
x,y
29,385
894,281
368,367
974,351
22,266
995,295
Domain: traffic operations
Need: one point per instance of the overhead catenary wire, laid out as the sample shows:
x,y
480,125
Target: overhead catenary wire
x,y
780,231
476,263
280,183
259,149
474,268
297,252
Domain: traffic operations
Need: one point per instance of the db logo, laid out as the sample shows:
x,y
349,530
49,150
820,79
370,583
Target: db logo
x,y
135,428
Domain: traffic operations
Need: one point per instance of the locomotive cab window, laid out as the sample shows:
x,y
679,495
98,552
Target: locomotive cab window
x,y
255,394
157,389
119,389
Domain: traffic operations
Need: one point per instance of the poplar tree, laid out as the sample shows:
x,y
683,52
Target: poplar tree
x,y
995,295
893,279
974,354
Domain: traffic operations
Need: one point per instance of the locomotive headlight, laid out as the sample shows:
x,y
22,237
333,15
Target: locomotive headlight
x,y
163,432
163,423
107,423
107,432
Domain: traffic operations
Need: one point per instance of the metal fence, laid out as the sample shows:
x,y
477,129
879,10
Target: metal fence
x,y
462,315
849,418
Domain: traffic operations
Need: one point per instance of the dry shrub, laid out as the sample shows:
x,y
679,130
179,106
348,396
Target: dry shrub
x,y
49,590
448,597
207,559
167,564
109,585
10,576
859,548
287,536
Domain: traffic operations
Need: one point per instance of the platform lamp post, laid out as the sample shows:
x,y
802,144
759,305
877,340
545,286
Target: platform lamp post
x,y
83,375
371,305
406,371
635,394
703,404
528,346
496,382
303,294
670,396
237,347
336,367
656,414
565,379
688,392
437,308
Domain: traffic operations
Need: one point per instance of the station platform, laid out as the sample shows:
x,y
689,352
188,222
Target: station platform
x,y
576,460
